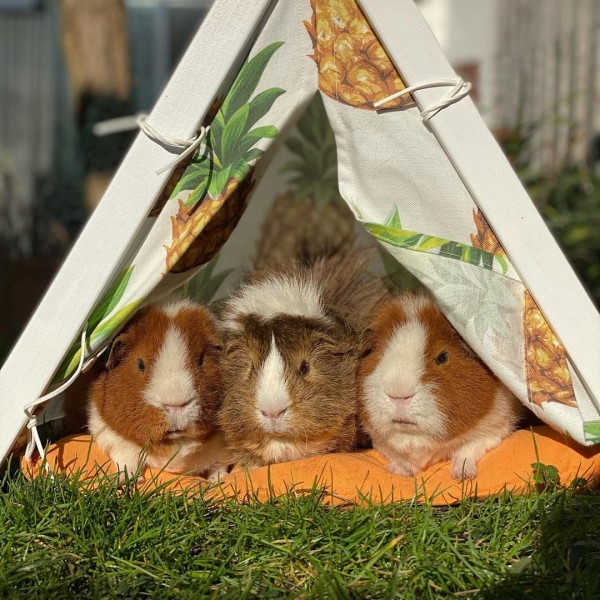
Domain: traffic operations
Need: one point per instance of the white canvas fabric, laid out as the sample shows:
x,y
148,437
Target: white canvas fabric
x,y
394,174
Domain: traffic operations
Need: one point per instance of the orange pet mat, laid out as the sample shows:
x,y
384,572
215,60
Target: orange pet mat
x,y
354,477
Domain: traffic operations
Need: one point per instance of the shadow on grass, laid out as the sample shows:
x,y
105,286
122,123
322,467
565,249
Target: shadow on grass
x,y
566,561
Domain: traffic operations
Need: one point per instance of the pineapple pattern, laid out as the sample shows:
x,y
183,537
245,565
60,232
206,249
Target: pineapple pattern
x,y
218,180
353,66
312,209
548,377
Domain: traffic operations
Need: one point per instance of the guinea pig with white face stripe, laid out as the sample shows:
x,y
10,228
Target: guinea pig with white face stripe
x,y
425,396
291,360
157,396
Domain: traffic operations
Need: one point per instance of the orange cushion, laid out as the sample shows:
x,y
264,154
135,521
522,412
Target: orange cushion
x,y
352,477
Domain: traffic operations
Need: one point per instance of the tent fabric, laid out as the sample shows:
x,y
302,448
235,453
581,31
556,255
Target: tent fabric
x,y
393,174
521,462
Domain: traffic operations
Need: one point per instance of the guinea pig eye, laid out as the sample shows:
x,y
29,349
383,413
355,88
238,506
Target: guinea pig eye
x,y
139,363
304,368
442,358
200,360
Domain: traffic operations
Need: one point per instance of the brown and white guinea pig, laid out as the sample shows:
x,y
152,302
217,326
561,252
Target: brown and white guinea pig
x,y
425,396
291,360
157,396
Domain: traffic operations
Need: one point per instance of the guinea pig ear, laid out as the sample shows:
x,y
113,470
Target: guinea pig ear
x,y
338,345
368,343
117,351
214,348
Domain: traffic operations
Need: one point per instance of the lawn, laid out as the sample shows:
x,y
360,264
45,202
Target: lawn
x,y
59,539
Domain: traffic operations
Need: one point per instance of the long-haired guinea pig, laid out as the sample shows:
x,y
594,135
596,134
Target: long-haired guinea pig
x,y
425,396
156,398
291,361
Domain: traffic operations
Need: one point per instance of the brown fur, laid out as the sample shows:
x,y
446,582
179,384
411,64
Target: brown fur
x,y
117,391
465,385
323,401
347,287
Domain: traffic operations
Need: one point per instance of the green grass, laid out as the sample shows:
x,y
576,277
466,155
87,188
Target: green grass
x,y
61,540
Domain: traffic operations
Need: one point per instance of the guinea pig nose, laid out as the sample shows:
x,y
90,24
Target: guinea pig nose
x,y
273,414
172,406
400,399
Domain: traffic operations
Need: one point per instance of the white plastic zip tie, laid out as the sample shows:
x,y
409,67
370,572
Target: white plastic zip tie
x,y
459,90
140,120
33,437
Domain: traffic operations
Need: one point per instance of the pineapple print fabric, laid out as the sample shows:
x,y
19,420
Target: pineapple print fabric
x,y
206,195
393,177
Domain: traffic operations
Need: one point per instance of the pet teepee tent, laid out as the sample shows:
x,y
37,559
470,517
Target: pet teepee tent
x,y
416,165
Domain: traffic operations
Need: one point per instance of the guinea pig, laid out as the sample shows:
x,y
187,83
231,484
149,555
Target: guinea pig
x,y
155,400
425,396
291,360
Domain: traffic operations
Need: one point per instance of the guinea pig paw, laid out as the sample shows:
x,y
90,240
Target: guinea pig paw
x,y
402,468
216,475
463,468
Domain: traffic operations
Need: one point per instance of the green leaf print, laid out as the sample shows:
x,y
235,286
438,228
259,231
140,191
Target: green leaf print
x,y
260,105
110,299
247,80
394,219
95,338
233,133
195,174
592,432
412,240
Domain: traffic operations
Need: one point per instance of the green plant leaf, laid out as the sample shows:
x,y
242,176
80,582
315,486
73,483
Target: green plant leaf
x,y
261,104
247,80
234,131
218,182
110,299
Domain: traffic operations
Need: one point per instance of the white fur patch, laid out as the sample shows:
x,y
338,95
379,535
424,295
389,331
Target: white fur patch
x,y
172,307
272,395
413,304
399,375
277,295
125,454
171,384
402,365
278,450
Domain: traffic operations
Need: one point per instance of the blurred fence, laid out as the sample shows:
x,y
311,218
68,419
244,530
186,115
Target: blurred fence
x,y
548,80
